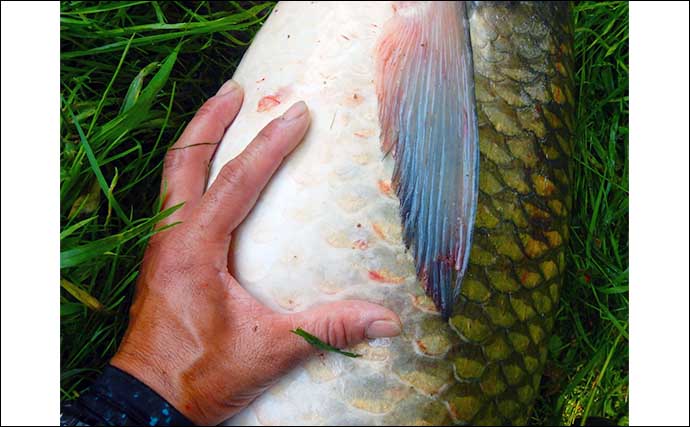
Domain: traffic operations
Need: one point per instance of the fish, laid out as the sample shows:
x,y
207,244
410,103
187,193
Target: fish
x,y
434,180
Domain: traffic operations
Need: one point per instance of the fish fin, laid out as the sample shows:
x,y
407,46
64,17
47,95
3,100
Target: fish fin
x,y
425,90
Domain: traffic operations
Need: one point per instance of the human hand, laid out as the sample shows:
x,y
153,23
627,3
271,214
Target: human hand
x,y
195,335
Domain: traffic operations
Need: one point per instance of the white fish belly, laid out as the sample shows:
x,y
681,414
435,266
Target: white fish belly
x,y
328,226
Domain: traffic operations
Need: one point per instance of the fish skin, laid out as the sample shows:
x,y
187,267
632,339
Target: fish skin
x,y
522,55
328,228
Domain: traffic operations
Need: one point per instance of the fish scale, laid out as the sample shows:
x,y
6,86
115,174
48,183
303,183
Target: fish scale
x,y
328,226
522,58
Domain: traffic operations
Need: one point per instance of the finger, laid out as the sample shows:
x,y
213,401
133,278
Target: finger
x,y
341,325
185,169
239,183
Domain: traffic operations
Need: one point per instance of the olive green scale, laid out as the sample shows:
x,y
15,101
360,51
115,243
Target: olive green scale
x,y
522,54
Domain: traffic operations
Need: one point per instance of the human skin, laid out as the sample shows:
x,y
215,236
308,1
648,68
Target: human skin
x,y
195,336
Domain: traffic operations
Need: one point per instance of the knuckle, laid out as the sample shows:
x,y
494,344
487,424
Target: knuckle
x,y
175,254
270,133
208,108
173,273
210,116
267,134
234,173
239,170
336,333
173,160
250,156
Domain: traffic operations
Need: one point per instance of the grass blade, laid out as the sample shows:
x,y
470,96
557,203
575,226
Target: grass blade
x,y
81,295
314,341
96,168
83,253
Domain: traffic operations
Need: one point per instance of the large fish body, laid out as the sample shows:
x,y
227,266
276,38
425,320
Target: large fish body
x,y
330,226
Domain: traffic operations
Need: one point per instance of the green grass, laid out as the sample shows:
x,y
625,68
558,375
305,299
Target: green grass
x,y
587,374
133,74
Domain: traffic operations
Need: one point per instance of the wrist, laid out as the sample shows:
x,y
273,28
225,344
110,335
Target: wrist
x,y
164,380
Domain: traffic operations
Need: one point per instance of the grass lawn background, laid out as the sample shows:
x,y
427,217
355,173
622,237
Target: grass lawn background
x,y
133,74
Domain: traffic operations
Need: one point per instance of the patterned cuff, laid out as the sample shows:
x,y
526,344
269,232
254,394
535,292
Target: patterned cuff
x,y
117,398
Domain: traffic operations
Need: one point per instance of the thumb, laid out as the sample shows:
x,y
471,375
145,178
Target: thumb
x,y
340,324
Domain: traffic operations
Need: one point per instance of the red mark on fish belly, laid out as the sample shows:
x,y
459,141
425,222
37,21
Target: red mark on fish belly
x,y
378,230
360,244
364,133
267,102
384,187
384,277
376,276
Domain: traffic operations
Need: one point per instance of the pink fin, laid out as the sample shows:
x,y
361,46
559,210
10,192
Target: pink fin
x,y
425,89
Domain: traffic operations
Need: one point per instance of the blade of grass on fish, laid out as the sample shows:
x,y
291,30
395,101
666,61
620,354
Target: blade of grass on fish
x,y
311,339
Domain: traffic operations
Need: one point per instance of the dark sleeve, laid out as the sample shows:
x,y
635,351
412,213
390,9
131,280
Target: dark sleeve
x,y
117,398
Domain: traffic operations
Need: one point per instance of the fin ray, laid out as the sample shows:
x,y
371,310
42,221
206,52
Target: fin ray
x,y
425,88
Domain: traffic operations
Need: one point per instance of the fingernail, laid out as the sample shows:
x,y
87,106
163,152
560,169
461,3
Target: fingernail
x,y
227,87
297,110
383,329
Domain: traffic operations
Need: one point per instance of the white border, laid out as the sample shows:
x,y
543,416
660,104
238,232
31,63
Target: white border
x,y
30,216
659,213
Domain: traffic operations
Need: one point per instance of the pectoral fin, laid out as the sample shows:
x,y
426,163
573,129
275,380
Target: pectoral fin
x,y
425,89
